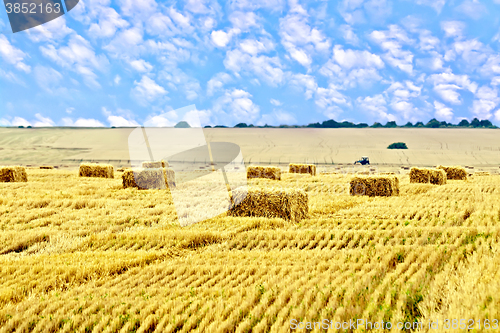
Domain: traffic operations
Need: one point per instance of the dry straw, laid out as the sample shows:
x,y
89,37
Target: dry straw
x,y
96,170
302,168
288,204
146,179
481,173
269,172
155,164
10,174
383,186
423,175
46,167
454,172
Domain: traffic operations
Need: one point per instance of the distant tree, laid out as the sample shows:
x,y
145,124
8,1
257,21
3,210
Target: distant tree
x,y
486,123
182,124
251,125
391,124
208,126
29,126
408,124
419,124
362,125
220,126
314,125
241,125
475,123
433,123
464,123
443,124
20,126
397,145
377,125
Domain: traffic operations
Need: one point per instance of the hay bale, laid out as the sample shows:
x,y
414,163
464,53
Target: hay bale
x,y
374,186
48,167
427,175
149,178
10,174
269,172
481,173
288,204
155,164
454,172
302,168
96,170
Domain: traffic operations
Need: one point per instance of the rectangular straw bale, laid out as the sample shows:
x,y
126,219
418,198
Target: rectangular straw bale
x,y
269,172
96,170
383,186
48,167
288,204
149,178
481,173
302,168
9,174
427,175
454,172
155,164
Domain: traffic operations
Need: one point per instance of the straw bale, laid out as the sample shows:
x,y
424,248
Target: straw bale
x,y
9,174
155,164
427,175
454,172
288,204
374,186
96,170
46,167
302,168
481,173
149,178
269,172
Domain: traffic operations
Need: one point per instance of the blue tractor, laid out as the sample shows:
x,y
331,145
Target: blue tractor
x,y
363,161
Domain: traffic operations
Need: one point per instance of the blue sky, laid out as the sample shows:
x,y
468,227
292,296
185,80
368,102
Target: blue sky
x,y
129,62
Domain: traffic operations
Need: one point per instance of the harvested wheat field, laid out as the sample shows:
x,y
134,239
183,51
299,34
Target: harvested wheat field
x,y
83,254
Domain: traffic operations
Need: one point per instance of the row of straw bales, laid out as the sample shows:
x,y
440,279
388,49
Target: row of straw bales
x,y
384,186
149,178
268,172
96,170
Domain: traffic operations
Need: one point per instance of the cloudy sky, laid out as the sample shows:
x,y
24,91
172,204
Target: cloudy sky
x,y
129,62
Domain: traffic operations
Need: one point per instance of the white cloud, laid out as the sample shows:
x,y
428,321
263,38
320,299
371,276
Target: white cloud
x,y
447,84
392,41
165,119
17,121
274,5
266,68
254,47
78,56
126,42
375,107
117,79
123,119
138,9
352,58
244,20
443,113
437,5
217,82
276,118
109,22
486,99
13,55
300,40
52,31
275,102
48,79
82,122
472,8
453,28
306,83
141,65
147,90
43,121
235,106
349,35
180,81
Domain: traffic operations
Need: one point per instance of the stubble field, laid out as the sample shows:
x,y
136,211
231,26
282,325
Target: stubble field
x,y
85,255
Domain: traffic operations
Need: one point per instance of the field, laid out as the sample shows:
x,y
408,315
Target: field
x,y
426,147
86,255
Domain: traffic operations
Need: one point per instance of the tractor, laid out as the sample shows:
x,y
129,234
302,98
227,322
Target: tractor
x,y
363,161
